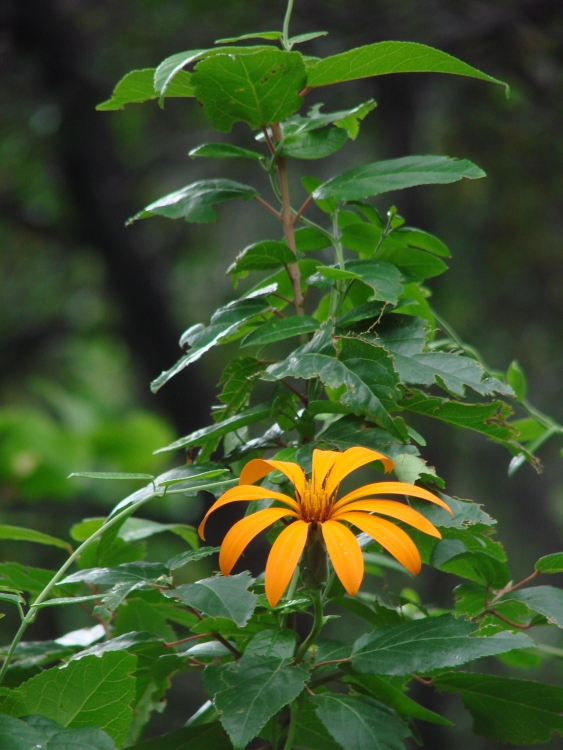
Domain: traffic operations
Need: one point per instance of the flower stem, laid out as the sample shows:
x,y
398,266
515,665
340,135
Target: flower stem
x,y
285,38
32,613
317,625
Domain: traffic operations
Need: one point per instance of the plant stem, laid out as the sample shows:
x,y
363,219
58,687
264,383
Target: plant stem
x,y
289,227
293,712
285,38
290,594
338,293
316,628
32,613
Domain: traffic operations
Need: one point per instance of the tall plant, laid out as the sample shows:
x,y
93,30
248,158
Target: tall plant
x,y
346,287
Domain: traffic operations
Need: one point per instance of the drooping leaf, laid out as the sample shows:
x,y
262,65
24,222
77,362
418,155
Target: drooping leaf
x,y
519,712
396,174
244,418
279,329
431,643
195,202
358,722
224,151
547,600
18,534
219,597
189,738
388,57
251,690
26,578
261,256
138,87
91,692
224,323
390,691
258,88
348,119
38,732
316,144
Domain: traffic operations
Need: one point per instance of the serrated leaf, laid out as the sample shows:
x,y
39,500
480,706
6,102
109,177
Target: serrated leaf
x,y
244,418
138,87
93,691
258,88
39,732
550,563
351,430
129,573
252,690
238,380
279,329
18,534
421,646
279,644
26,578
361,396
192,555
383,278
224,151
314,145
507,710
357,722
224,323
189,738
390,691
547,600
311,733
262,256
388,57
195,202
396,174
316,120
220,596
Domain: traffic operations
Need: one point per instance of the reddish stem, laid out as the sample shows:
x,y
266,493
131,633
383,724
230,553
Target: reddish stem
x,y
267,206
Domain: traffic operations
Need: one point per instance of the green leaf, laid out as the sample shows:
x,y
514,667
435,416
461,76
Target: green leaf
x,y
550,563
431,643
273,35
314,145
128,573
413,263
388,57
309,238
238,380
258,88
18,534
192,555
527,429
25,578
357,722
383,278
488,419
195,202
300,38
519,712
409,237
311,733
250,691
279,644
363,393
93,691
255,414
224,151
311,184
138,87
389,690
136,529
279,329
348,119
38,732
172,66
220,597
111,475
224,323
189,738
546,600
261,256
516,379
396,174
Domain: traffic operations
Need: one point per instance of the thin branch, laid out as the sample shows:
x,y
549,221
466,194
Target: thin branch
x,y
303,398
302,210
331,661
507,621
267,206
186,640
422,680
509,589
280,296
268,140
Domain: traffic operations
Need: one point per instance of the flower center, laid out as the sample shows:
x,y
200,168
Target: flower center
x,y
315,505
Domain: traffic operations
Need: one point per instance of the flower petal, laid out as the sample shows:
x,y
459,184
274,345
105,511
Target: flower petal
x,y
350,460
393,488
259,467
283,558
395,541
396,510
243,532
323,461
246,493
345,555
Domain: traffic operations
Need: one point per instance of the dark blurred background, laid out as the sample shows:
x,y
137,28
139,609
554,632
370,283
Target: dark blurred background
x,y
91,311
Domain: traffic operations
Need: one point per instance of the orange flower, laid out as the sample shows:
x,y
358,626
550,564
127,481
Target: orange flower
x,y
315,505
